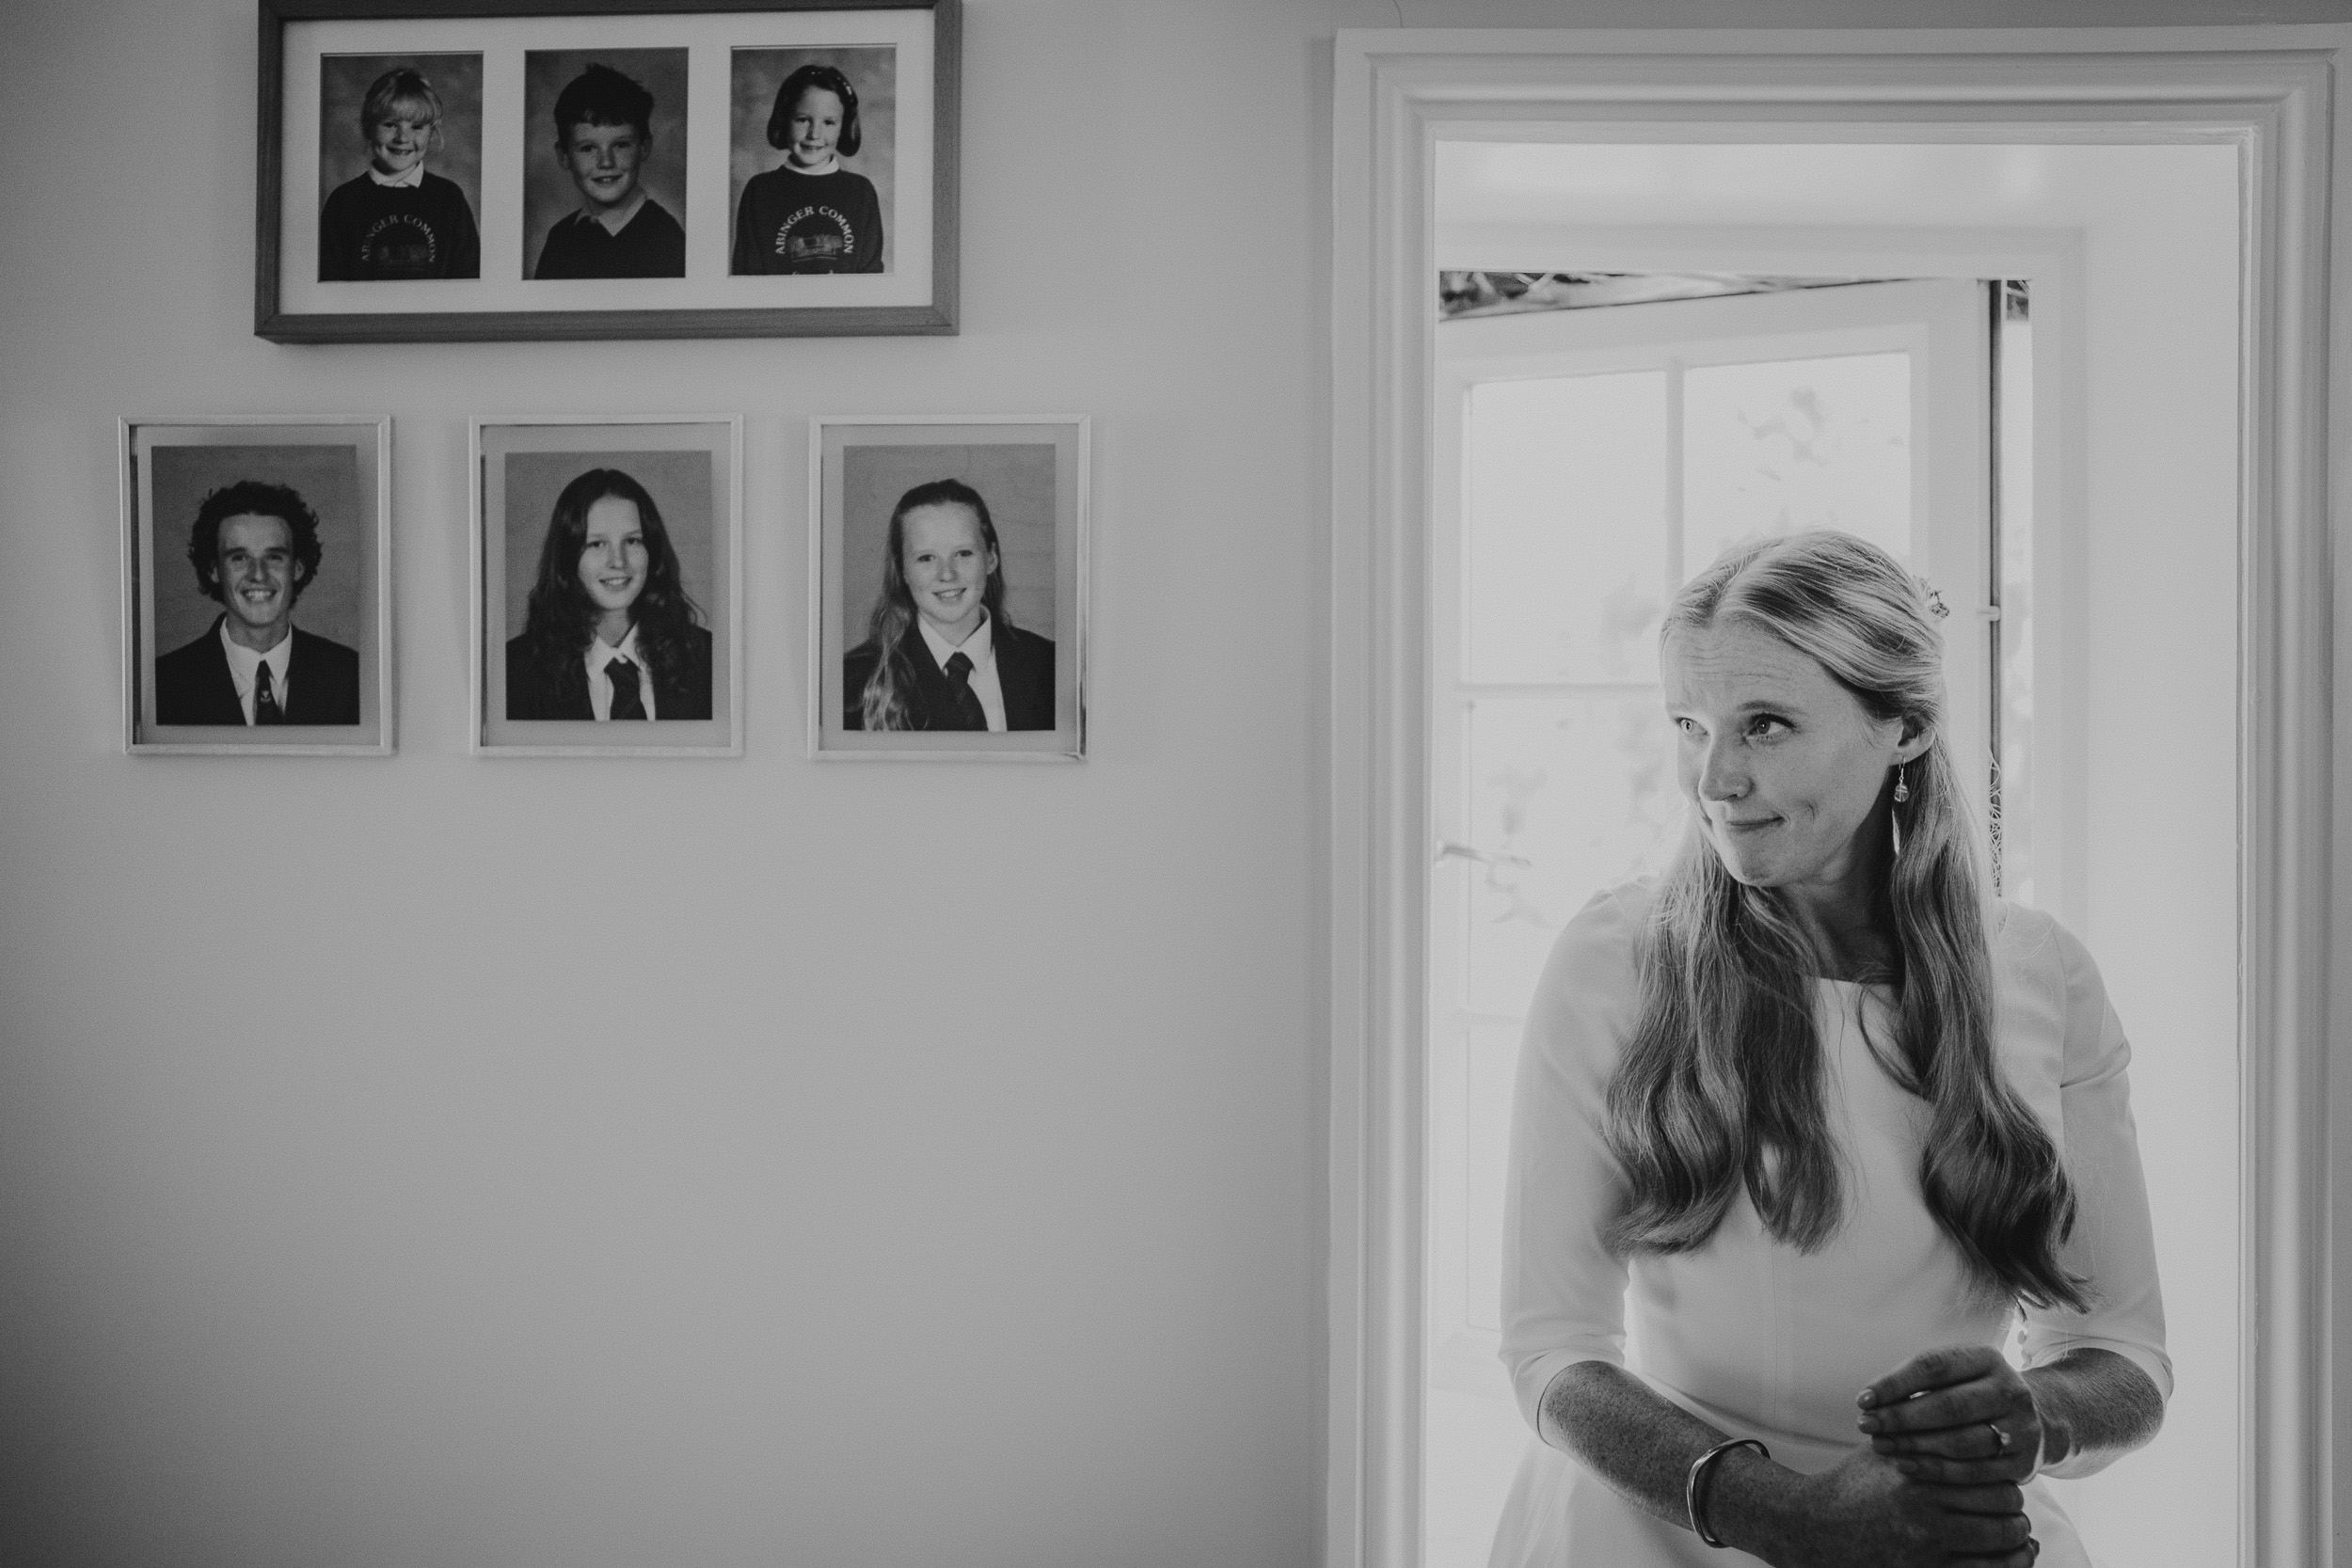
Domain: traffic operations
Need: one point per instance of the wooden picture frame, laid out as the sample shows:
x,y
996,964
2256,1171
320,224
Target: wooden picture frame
x,y
254,543
533,478
1027,542
449,231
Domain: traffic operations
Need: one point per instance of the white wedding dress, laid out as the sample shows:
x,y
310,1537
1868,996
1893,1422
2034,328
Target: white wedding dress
x,y
1752,1335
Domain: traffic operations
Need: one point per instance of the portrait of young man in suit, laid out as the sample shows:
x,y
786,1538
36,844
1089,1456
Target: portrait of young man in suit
x,y
255,547
939,652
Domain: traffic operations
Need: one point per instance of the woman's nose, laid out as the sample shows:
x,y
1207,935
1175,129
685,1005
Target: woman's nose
x,y
1719,777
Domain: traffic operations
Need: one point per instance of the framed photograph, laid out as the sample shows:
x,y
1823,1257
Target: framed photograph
x,y
257,586
608,595
947,576
438,170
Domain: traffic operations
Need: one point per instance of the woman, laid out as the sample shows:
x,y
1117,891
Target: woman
x,y
939,652
611,634
1824,1120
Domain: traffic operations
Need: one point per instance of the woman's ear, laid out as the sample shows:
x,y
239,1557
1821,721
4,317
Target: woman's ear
x,y
1917,736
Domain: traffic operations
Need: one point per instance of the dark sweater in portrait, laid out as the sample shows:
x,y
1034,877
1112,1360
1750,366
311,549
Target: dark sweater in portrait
x,y
650,244
680,692
193,684
1024,674
793,222
374,233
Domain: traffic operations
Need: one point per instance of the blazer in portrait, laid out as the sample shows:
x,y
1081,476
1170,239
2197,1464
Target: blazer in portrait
x,y
1024,672
193,685
680,693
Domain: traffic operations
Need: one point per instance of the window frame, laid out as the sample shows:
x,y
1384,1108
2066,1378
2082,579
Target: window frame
x,y
1943,325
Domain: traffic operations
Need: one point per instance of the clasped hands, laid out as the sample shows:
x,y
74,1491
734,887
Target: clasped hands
x,y
1953,1438
1954,1434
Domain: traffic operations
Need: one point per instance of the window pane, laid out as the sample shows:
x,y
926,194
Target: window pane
x,y
1494,1063
1566,513
1790,444
1580,787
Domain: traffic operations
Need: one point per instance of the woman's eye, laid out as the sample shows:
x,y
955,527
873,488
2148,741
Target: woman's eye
x,y
1765,725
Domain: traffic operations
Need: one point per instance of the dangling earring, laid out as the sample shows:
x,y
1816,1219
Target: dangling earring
x,y
1894,819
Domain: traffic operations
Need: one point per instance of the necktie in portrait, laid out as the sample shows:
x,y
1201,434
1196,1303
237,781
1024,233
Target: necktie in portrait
x,y
265,699
970,714
626,704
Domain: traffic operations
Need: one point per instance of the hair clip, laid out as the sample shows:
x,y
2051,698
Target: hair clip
x,y
1936,600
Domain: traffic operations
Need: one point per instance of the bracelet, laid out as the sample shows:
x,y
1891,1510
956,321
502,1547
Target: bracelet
x,y
1695,1490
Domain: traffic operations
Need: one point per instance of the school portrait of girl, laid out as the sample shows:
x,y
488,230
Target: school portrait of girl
x,y
606,552
948,605
813,160
604,163
940,652
400,167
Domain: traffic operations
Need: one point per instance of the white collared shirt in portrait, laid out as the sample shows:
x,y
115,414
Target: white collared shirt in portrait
x,y
244,663
981,648
600,654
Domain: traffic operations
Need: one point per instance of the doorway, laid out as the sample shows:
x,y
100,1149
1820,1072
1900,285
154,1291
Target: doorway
x,y
2170,962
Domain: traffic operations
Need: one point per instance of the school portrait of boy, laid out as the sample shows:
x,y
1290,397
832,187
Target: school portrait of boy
x,y
257,601
400,167
604,163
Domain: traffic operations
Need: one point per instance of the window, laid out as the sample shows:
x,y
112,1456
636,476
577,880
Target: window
x,y
1587,462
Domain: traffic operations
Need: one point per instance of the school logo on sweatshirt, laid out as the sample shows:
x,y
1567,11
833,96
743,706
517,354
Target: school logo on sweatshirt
x,y
398,244
815,239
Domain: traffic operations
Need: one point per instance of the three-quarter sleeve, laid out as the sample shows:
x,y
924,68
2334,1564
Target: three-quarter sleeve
x,y
2112,1244
1562,1292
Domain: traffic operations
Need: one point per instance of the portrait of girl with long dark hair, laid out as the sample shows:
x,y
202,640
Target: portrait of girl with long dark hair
x,y
612,633
1808,1125
939,652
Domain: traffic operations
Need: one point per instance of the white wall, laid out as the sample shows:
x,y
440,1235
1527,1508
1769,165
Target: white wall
x,y
941,1186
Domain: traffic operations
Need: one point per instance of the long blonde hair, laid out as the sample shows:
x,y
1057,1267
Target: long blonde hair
x,y
1720,1088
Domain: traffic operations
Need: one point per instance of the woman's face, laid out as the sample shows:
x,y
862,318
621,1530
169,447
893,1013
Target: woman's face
x,y
815,127
946,561
612,557
1784,764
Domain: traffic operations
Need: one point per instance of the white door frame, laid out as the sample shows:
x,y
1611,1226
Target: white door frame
x,y
2269,92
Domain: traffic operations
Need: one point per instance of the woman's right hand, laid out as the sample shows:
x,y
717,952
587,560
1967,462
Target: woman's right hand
x,y
1862,1512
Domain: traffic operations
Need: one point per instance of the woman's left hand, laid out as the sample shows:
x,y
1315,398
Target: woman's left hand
x,y
1961,1416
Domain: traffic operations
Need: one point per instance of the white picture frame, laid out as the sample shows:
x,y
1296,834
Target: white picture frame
x,y
1032,475
184,481
526,474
